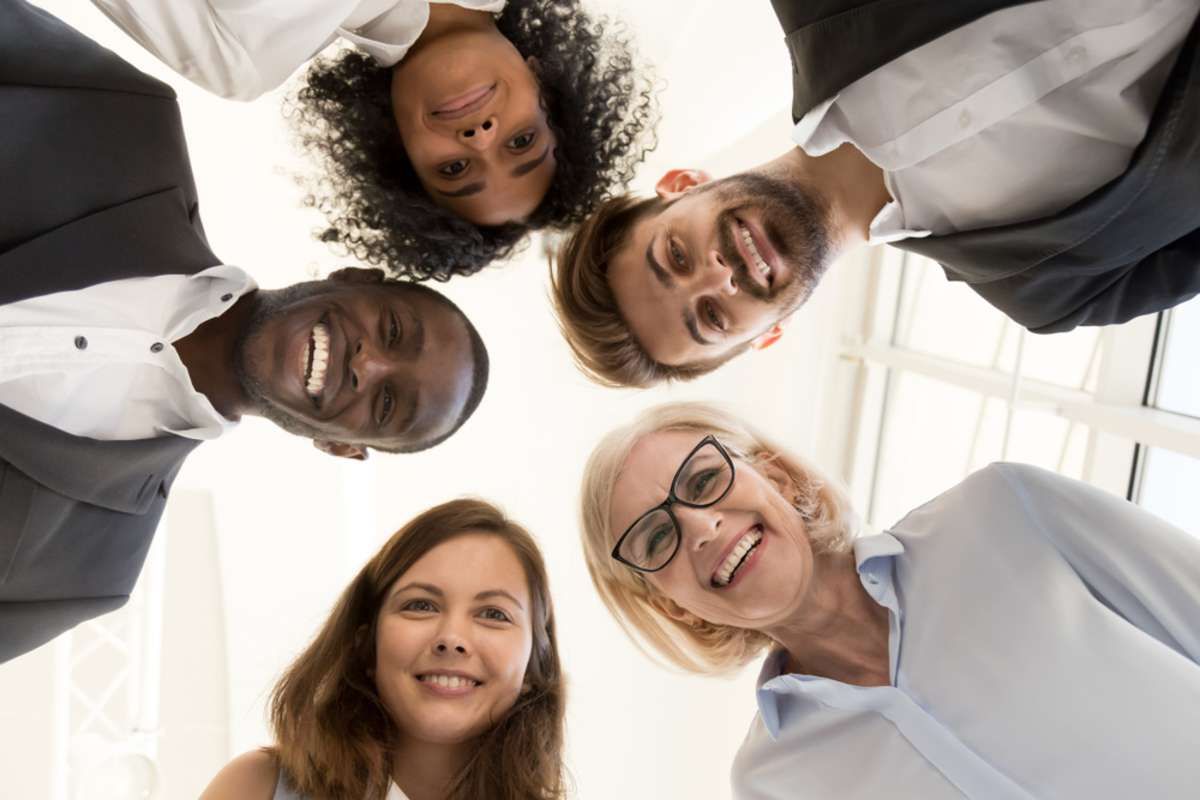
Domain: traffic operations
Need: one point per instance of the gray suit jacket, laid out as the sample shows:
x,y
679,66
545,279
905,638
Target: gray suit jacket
x,y
95,185
1129,248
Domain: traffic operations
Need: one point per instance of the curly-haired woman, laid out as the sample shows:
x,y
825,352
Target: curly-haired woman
x,y
448,132
436,677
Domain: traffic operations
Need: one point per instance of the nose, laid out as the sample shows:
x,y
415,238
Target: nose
x,y
698,526
447,646
480,135
719,276
368,365
449,640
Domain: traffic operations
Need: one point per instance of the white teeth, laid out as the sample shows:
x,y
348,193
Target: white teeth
x,y
737,556
763,269
447,681
319,351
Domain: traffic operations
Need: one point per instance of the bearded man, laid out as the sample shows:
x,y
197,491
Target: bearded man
x,y
1045,153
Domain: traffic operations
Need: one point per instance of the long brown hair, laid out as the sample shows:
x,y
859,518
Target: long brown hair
x,y
334,735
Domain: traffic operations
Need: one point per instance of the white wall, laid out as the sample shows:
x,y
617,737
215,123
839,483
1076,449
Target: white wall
x,y
291,526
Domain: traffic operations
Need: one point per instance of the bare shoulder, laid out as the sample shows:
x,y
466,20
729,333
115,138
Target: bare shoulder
x,y
250,776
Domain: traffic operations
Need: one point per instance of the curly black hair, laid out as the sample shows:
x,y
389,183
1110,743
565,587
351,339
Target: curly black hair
x,y
599,102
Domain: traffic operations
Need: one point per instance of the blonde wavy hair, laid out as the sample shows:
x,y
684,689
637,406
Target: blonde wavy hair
x,y
655,623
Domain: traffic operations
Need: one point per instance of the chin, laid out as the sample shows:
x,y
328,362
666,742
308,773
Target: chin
x,y
443,731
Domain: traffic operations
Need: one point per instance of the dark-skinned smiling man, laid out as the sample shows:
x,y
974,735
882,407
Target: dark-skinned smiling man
x,y
124,342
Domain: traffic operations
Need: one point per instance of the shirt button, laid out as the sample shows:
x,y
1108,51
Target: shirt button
x,y
964,118
81,343
871,579
225,298
156,347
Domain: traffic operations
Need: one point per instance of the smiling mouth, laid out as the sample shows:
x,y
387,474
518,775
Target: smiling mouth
x,y
757,262
449,681
317,362
465,104
737,557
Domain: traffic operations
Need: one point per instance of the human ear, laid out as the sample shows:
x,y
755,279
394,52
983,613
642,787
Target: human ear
x,y
357,275
678,181
767,465
767,338
341,449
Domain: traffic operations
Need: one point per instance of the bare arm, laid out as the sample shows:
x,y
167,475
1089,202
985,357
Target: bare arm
x,y
231,48
250,776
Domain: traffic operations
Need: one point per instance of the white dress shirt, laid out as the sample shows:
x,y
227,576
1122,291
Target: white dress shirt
x,y
1012,117
243,48
1044,643
99,362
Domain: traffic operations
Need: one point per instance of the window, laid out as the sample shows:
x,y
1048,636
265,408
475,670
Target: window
x,y
943,384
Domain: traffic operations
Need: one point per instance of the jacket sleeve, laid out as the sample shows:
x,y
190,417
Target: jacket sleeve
x,y
1160,280
1142,567
232,48
28,625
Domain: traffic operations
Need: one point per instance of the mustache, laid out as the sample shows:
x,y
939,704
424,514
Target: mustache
x,y
727,223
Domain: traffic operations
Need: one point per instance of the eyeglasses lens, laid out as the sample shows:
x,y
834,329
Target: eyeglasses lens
x,y
701,481
703,478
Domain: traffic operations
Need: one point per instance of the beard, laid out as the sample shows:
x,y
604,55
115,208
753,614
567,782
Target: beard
x,y
796,221
271,304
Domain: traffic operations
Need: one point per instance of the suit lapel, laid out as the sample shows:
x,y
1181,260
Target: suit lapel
x,y
833,43
123,476
152,235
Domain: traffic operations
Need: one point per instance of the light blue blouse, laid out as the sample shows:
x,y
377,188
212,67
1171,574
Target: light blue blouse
x,y
1045,642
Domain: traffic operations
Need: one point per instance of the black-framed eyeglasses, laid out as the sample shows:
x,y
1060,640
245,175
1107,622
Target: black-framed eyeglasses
x,y
702,480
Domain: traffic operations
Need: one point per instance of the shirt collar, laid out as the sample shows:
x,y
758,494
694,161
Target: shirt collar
x,y
818,133
811,136
872,556
225,280
239,280
876,545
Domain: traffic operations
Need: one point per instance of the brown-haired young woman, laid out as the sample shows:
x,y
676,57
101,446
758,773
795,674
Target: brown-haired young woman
x,y
436,677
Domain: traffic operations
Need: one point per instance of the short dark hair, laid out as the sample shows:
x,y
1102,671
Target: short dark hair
x,y
599,103
480,367
603,346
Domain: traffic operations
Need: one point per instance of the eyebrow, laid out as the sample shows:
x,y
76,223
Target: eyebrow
x,y
466,191
486,594
418,335
418,347
403,426
693,326
490,593
656,269
530,166
479,186
664,277
425,587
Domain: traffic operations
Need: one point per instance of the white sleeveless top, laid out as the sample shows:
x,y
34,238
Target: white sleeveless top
x,y
285,792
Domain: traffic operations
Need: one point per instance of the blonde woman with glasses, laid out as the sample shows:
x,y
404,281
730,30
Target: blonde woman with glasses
x,y
1020,636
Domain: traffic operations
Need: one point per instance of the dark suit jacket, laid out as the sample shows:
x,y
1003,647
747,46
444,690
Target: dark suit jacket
x,y
95,185
1131,247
